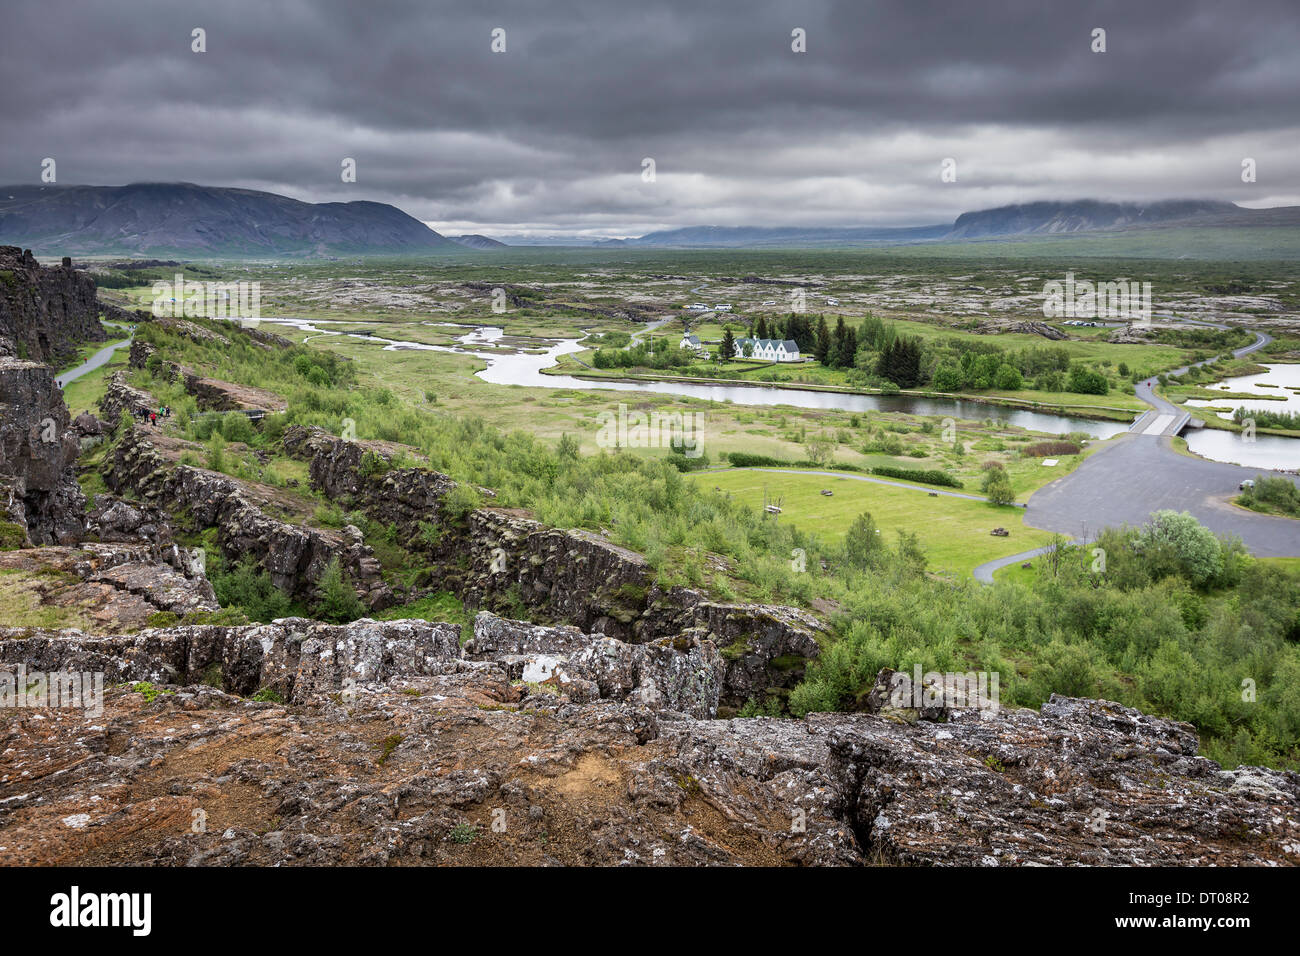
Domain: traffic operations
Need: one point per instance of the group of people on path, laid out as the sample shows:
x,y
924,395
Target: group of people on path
x,y
164,411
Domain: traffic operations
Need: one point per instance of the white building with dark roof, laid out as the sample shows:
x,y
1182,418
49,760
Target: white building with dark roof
x,y
768,350
693,342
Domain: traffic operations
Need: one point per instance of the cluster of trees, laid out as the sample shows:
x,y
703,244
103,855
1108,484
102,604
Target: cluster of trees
x,y
1167,618
1272,494
875,353
654,353
796,327
876,350
901,363
973,367
1267,418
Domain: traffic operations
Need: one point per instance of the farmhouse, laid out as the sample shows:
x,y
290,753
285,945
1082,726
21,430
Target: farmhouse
x,y
768,350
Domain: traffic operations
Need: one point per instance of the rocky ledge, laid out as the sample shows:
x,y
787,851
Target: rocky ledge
x,y
397,747
38,489
45,311
108,587
295,555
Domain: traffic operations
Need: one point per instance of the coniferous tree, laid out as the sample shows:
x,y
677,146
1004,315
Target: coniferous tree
x,y
728,349
848,349
822,347
837,343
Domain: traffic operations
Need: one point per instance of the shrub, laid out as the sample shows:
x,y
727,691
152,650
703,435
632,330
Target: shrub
x,y
249,589
926,476
235,426
337,602
1086,381
1176,543
372,465
12,536
862,545
1050,449
1273,494
997,486
460,501
740,459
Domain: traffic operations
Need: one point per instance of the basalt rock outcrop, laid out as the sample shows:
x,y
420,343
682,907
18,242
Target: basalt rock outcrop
x,y
296,556
108,587
393,749
218,396
574,577
140,353
211,394
679,674
38,489
765,648
293,658
403,497
45,312
116,313
1008,326
121,397
501,560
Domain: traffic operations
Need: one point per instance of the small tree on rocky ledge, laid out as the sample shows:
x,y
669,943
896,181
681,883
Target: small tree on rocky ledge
x,y
338,603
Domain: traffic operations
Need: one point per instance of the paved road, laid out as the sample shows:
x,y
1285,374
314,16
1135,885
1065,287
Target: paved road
x,y
1140,473
984,573
1168,419
95,361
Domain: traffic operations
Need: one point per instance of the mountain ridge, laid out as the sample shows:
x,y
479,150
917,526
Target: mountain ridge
x,y
189,219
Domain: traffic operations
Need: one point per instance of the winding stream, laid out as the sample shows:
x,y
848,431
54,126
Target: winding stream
x,y
525,369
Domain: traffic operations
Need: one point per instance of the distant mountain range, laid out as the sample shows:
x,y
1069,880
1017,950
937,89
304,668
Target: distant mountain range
x,y
1030,219
182,219
1084,215
478,242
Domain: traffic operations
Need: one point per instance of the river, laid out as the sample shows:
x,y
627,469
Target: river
x,y
525,369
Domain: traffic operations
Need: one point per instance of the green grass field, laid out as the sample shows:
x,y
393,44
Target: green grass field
x,y
953,531
83,395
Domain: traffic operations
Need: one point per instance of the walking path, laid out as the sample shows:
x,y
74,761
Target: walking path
x,y
95,361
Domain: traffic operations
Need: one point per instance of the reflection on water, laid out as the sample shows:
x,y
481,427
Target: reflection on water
x,y
525,369
1283,378
1266,451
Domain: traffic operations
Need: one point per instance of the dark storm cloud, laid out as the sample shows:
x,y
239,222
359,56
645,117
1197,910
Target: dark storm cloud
x,y
550,135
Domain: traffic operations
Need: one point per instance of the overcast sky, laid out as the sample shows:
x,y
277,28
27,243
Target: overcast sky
x,y
549,136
